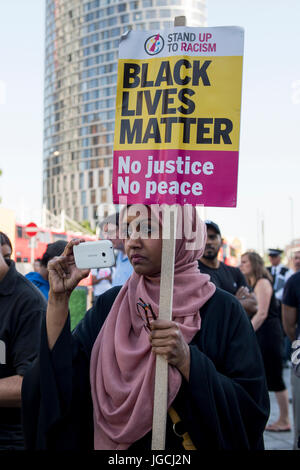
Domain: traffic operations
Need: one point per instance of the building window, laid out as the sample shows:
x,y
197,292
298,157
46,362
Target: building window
x,y
165,13
72,181
93,196
154,25
91,183
81,180
85,213
83,197
125,19
104,195
101,177
150,14
134,5
137,16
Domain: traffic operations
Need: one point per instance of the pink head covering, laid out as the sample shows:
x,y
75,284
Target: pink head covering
x,y
122,366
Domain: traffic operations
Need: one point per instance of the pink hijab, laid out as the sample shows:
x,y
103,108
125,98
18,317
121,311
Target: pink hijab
x,y
122,365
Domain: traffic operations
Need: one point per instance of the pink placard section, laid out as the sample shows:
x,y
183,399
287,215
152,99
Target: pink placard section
x,y
175,177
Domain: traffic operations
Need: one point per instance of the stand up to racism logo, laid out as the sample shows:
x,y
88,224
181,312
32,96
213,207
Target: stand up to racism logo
x,y
154,44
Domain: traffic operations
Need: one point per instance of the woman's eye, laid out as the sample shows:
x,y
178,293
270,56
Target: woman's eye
x,y
145,230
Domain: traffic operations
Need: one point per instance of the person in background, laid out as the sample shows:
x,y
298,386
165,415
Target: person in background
x,y
110,231
22,308
226,277
291,325
280,275
101,281
37,265
6,246
279,272
40,278
296,261
266,323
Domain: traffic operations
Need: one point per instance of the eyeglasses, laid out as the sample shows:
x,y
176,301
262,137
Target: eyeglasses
x,y
145,311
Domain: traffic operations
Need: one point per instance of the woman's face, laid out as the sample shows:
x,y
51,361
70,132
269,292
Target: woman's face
x,y
143,252
246,267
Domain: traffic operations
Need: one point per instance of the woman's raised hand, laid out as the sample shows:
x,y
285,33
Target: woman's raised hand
x,y
63,273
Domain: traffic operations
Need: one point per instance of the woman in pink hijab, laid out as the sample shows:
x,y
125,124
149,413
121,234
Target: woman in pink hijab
x,y
93,388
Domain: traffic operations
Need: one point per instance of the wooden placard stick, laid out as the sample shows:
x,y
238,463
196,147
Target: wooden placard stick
x,y
165,313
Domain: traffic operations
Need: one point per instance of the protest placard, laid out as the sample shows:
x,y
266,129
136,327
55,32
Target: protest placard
x,y
178,116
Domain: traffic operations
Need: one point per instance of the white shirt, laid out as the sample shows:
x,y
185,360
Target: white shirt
x,y
280,279
122,271
103,285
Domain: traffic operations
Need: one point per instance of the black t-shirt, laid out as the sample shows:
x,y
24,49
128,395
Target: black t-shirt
x,y
291,295
226,277
22,307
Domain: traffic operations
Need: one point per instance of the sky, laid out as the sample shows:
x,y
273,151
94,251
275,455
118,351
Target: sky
x,y
268,181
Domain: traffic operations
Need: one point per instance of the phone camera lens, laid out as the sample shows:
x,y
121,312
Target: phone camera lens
x,y
103,254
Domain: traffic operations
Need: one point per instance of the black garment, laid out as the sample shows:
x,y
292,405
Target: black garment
x,y
225,405
291,296
226,277
270,340
21,310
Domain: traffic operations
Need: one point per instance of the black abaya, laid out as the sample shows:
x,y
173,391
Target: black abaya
x,y
225,404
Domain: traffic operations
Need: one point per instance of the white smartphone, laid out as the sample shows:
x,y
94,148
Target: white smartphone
x,y
98,254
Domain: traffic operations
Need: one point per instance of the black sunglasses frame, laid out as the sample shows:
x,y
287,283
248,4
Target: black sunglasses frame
x,y
146,309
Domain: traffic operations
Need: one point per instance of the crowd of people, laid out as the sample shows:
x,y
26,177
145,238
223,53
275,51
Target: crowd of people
x,y
231,334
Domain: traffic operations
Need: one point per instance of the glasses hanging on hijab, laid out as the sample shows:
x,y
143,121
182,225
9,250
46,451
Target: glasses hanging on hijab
x,y
145,312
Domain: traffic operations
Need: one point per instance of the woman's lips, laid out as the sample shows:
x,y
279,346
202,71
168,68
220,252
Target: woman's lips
x,y
137,258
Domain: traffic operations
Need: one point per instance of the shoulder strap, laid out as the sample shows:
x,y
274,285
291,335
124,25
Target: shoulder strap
x,y
186,440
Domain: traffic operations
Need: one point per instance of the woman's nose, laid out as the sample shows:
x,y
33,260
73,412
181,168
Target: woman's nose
x,y
134,239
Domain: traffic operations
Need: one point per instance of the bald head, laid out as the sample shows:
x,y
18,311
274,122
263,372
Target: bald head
x,y
296,260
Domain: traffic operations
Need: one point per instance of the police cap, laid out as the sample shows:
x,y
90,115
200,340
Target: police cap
x,y
274,252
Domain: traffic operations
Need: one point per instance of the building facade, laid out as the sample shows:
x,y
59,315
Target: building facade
x,y
81,57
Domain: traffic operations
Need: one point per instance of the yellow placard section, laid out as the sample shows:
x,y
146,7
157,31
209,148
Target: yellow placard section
x,y
190,103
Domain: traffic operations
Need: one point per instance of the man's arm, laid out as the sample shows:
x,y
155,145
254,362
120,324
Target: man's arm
x,y
10,391
289,320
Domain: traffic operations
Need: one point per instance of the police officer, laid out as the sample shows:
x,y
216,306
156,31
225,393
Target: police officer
x,y
280,274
